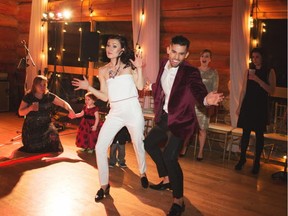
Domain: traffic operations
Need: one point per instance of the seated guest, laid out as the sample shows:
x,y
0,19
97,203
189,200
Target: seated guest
x,y
38,132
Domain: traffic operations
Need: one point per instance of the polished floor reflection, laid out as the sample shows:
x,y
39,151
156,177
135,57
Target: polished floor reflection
x,y
65,184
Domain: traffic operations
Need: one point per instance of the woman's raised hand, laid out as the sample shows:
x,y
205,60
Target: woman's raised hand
x,y
138,62
80,84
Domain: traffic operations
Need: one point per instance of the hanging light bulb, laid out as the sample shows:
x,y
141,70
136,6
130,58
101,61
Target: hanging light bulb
x,y
251,22
142,16
263,27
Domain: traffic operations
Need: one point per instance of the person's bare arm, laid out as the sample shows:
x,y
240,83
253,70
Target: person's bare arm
x,y
137,73
242,93
97,117
60,102
24,108
78,115
101,94
270,87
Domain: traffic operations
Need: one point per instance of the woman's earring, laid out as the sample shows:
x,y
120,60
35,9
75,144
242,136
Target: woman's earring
x,y
120,53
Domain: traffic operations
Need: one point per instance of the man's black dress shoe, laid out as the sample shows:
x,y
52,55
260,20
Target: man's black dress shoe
x,y
101,193
144,182
176,210
161,186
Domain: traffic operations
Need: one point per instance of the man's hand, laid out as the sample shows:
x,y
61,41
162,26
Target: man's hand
x,y
214,98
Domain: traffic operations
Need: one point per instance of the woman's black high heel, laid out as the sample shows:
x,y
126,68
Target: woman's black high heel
x,y
101,193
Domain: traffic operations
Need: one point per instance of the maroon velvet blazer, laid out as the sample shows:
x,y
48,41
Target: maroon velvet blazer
x,y
187,91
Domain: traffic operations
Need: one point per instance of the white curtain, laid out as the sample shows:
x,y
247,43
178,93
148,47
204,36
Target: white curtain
x,y
149,35
37,42
239,52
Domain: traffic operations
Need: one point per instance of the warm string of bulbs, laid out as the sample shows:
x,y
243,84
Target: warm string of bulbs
x,y
66,15
142,18
256,26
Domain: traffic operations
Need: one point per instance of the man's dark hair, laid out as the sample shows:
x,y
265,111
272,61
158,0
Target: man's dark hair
x,y
180,40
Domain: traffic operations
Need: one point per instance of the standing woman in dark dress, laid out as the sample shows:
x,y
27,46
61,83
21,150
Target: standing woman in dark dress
x,y
38,132
253,106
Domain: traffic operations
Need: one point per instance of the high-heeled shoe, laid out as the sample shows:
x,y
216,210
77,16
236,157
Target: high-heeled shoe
x,y
144,181
176,210
240,164
101,193
184,154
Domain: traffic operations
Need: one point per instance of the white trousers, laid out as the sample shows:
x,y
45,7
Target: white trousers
x,y
123,113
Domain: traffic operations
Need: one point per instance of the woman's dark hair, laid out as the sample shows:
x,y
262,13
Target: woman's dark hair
x,y
127,53
259,50
181,40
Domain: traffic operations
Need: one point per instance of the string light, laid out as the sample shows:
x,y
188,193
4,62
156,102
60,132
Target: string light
x,y
59,16
251,24
91,9
263,27
142,17
255,42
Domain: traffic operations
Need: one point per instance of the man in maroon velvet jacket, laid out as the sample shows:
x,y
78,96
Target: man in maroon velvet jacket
x,y
177,89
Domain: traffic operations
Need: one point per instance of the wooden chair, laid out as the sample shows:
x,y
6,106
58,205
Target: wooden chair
x,y
149,122
223,133
278,129
218,130
146,101
278,132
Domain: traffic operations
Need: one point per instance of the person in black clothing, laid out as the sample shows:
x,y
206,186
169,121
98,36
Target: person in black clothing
x,y
121,138
253,106
39,135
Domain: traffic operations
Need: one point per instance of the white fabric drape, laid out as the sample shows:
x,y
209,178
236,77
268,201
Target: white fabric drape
x,y
37,41
149,35
239,52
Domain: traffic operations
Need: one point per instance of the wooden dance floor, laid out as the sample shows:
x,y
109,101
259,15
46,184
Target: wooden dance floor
x,y
65,185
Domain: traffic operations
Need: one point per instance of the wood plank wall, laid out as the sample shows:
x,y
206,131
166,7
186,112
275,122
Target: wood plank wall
x,y
205,23
9,34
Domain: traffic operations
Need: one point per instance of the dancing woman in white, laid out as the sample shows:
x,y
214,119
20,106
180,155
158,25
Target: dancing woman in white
x,y
119,81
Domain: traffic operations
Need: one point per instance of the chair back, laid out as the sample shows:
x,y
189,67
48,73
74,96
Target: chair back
x,y
222,115
146,101
280,118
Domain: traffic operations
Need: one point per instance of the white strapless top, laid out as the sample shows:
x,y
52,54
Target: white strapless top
x,y
121,88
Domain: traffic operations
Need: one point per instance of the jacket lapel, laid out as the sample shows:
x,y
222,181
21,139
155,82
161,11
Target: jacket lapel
x,y
178,79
